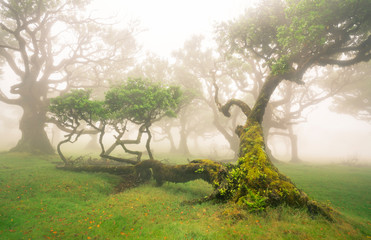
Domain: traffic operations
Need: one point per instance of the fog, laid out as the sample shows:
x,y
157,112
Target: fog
x,y
328,137
325,137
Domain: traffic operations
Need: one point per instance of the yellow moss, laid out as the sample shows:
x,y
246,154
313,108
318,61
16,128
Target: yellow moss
x,y
258,176
211,167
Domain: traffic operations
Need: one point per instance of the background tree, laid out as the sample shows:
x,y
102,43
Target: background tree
x,y
355,97
191,117
291,103
195,68
50,46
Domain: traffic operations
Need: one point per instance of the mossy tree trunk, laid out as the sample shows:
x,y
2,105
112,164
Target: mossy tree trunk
x,y
255,176
294,146
255,182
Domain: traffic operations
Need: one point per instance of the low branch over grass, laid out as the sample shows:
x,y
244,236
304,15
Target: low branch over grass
x,y
221,177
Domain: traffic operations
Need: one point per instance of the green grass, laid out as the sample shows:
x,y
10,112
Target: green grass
x,y
37,201
347,188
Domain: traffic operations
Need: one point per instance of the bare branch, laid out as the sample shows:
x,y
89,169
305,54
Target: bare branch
x,y
343,63
7,100
10,60
242,105
9,47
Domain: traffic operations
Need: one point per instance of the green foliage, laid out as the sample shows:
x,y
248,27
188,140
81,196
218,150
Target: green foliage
x,y
142,101
281,33
280,66
76,106
312,25
139,101
254,201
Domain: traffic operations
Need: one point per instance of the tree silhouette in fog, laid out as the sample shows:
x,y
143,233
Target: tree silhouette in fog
x,y
51,47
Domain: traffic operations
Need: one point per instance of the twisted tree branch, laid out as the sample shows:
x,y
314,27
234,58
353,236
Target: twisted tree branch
x,y
226,107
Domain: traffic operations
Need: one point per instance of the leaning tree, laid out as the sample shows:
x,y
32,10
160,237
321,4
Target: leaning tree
x,y
289,37
50,46
355,97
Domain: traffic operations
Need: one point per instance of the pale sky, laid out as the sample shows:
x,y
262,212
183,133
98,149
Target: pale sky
x,y
169,23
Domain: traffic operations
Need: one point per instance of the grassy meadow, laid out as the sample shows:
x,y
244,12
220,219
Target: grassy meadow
x,y
38,201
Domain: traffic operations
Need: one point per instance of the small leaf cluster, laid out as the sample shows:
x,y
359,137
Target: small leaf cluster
x,y
255,202
280,66
142,101
76,105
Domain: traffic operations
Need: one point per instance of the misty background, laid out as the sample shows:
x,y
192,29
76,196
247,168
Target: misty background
x,y
323,136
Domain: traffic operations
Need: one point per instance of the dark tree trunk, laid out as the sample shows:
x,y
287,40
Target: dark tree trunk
x,y
171,138
256,182
148,143
267,125
32,125
257,176
93,142
183,145
196,169
294,146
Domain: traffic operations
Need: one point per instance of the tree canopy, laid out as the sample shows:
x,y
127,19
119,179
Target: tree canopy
x,y
142,101
139,101
289,37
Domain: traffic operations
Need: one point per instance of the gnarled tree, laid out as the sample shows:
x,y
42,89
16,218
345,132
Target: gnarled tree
x,y
49,45
289,37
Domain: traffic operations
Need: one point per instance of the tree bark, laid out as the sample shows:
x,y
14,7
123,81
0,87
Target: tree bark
x,y
93,142
256,182
294,146
267,125
183,145
257,179
167,130
197,169
32,125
